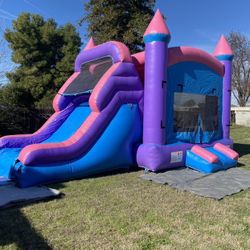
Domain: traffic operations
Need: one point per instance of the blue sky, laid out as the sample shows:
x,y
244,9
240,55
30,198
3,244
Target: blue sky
x,y
196,23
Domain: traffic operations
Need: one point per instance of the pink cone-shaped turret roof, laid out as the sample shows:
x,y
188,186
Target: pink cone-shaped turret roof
x,y
157,25
222,47
90,44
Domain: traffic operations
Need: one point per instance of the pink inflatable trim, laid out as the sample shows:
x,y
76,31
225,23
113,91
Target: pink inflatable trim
x,y
123,51
62,89
222,47
157,25
24,155
226,151
90,44
94,96
139,58
187,54
205,154
183,54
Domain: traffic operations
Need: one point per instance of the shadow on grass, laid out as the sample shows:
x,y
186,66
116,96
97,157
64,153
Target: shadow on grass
x,y
57,185
116,172
60,185
16,229
242,149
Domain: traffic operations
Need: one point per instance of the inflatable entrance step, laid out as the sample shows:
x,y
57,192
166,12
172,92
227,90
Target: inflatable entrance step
x,y
211,159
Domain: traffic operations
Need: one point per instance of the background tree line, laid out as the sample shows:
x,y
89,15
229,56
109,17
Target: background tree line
x,y
44,54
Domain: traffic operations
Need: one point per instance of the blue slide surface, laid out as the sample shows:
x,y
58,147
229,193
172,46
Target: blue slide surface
x,y
73,122
113,150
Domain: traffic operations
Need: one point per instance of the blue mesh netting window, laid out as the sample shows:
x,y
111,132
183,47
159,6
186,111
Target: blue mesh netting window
x,y
194,111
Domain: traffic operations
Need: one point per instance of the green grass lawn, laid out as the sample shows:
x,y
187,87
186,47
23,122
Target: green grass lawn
x,y
124,212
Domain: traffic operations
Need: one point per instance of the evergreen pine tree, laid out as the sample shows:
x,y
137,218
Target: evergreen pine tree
x,y
119,20
44,54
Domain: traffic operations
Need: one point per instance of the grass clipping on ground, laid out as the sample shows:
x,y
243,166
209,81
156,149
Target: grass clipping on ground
x,y
124,212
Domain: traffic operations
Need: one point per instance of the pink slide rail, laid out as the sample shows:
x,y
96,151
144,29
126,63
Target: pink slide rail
x,y
205,154
226,151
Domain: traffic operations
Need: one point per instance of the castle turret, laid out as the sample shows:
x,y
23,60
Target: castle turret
x,y
156,38
90,44
224,53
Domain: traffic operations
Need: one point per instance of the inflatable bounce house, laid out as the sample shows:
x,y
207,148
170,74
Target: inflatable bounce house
x,y
159,109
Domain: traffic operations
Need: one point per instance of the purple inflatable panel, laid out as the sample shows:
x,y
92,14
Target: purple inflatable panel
x,y
118,51
226,107
158,157
154,92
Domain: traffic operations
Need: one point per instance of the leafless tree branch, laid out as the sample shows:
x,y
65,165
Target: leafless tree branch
x,y
241,67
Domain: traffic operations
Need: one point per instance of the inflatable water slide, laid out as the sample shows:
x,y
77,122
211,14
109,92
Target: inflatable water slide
x,y
95,127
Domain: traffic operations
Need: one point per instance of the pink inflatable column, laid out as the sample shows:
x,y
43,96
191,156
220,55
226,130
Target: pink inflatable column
x,y
156,38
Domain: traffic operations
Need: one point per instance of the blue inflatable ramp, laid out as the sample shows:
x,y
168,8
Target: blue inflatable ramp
x,y
211,159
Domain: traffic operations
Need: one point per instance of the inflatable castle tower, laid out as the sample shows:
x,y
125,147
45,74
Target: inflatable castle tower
x,y
187,99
